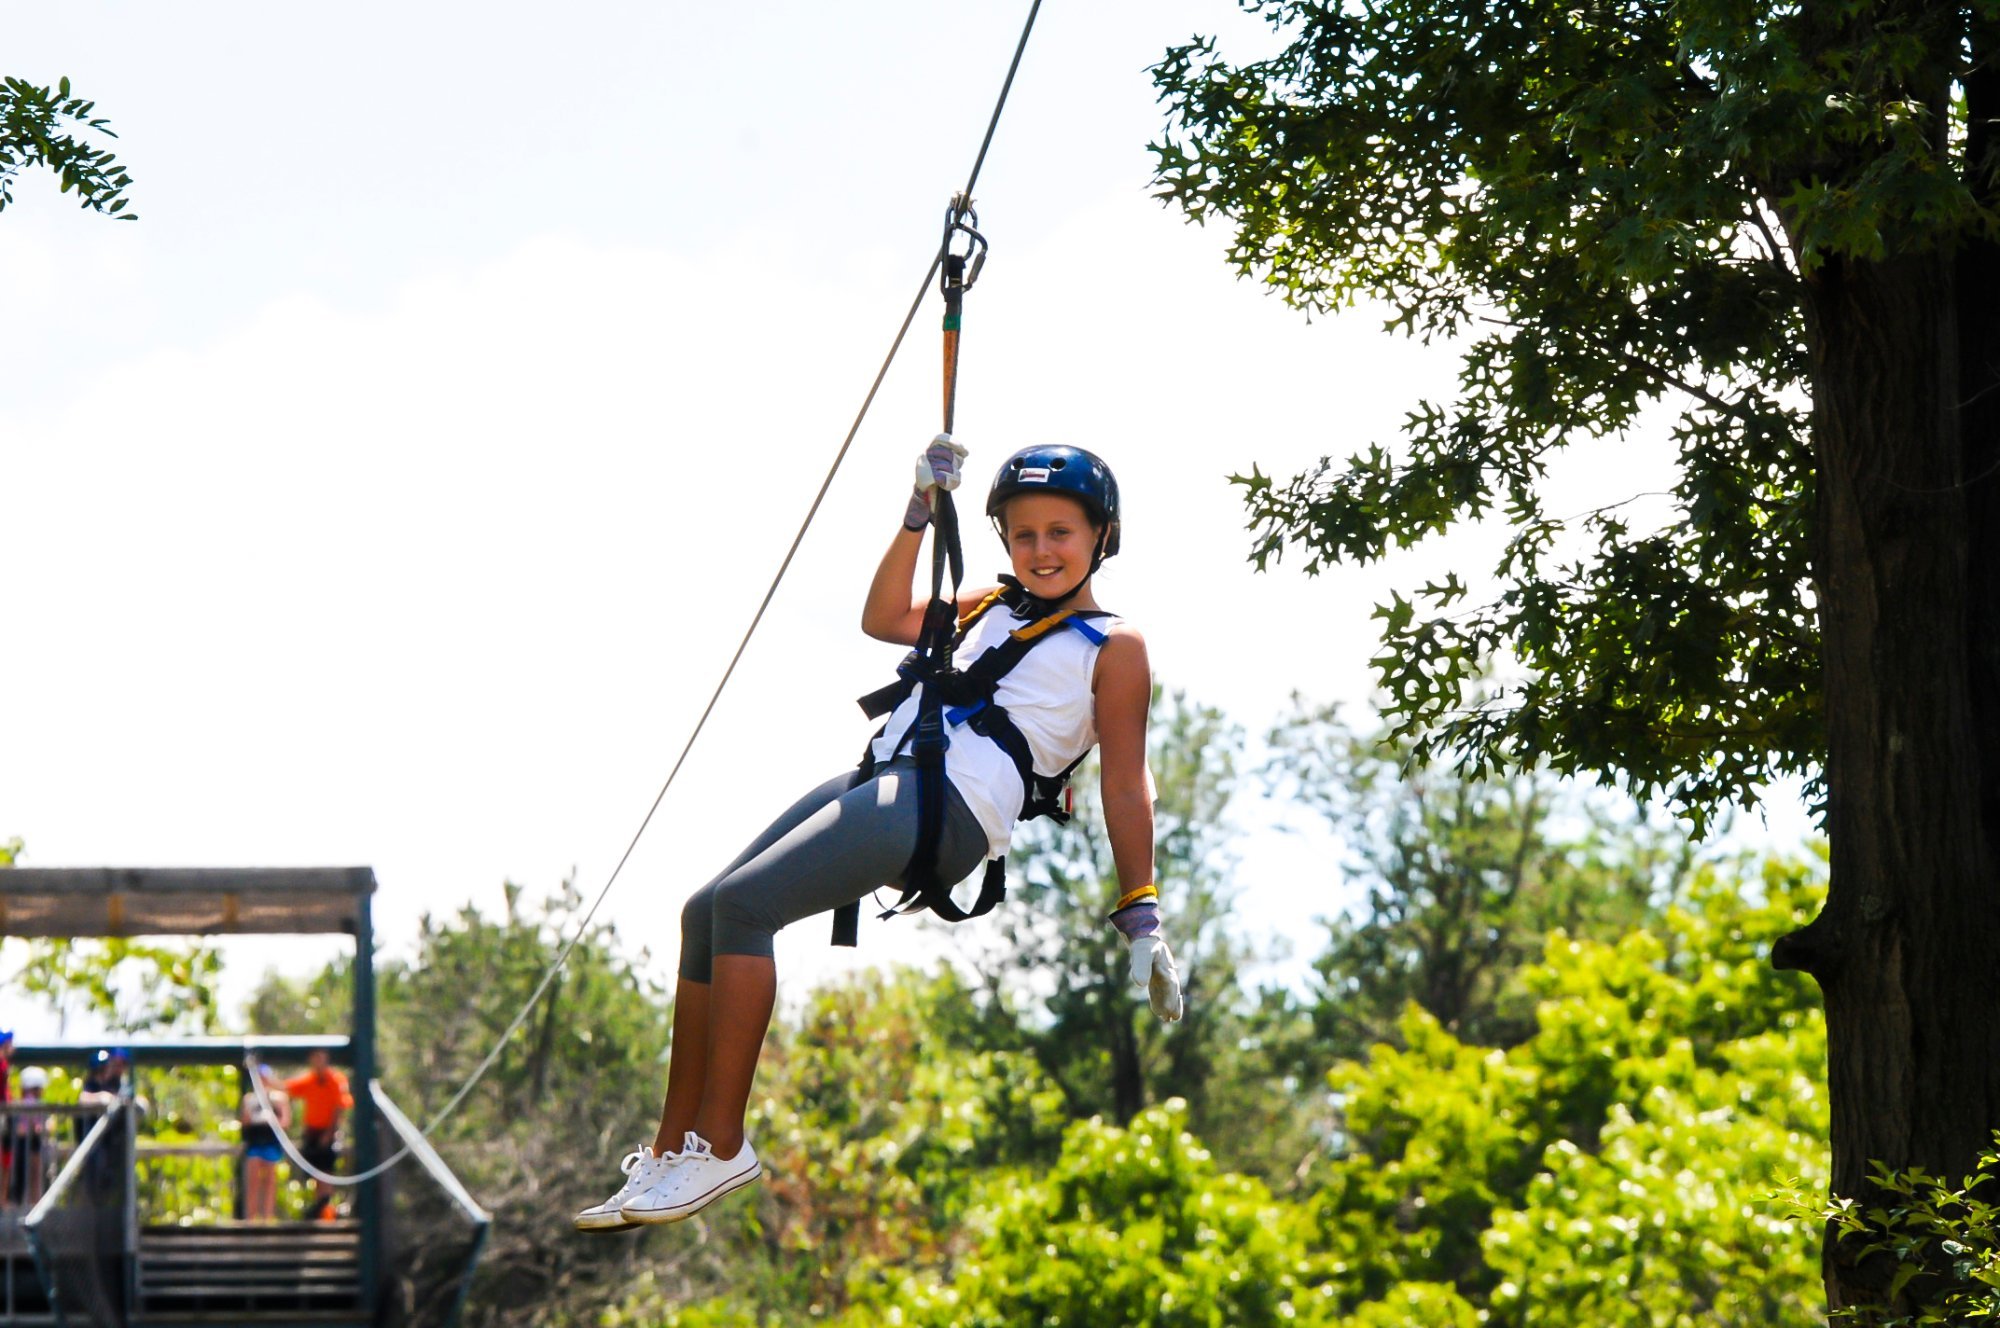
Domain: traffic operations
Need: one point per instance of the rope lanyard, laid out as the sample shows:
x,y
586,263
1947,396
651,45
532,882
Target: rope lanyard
x,y
958,270
921,886
960,221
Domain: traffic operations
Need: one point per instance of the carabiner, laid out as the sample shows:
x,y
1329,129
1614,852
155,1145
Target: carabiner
x,y
961,268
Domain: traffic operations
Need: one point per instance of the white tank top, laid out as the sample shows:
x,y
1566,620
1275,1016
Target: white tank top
x,y
1047,695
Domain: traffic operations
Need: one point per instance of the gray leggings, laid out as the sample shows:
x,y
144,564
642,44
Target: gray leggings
x,y
834,845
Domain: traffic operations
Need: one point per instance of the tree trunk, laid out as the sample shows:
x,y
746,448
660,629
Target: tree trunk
x,y
1128,1073
1905,949
1979,416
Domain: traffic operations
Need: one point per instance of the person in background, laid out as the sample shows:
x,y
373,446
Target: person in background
x,y
103,1084
261,1150
323,1097
29,1151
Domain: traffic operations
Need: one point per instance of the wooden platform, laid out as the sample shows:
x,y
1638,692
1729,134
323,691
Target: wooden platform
x,y
271,1275
240,1272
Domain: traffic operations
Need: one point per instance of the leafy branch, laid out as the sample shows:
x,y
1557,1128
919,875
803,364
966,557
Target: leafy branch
x,y
51,127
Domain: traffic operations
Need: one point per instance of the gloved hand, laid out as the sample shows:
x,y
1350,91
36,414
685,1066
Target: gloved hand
x,y
937,468
1153,969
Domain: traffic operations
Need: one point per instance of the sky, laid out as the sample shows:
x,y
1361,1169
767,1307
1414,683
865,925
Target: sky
x,y
394,490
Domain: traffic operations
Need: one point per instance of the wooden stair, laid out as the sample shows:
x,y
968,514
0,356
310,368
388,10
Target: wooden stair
x,y
276,1273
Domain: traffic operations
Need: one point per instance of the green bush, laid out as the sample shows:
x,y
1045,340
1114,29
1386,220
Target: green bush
x,y
1132,1226
1612,1169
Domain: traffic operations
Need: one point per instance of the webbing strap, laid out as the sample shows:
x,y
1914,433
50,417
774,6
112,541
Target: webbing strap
x,y
847,917
978,611
928,738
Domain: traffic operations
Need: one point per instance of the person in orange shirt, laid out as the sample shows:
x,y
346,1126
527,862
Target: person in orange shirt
x,y
321,1095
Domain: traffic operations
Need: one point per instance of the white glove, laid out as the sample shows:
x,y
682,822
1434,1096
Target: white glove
x,y
938,466
1153,969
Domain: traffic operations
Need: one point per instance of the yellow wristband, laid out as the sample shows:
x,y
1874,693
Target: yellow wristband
x,y
1131,897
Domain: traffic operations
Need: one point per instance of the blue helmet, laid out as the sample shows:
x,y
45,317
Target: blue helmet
x,y
1061,469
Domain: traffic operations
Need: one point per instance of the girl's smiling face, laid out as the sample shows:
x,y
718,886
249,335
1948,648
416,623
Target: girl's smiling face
x,y
1050,540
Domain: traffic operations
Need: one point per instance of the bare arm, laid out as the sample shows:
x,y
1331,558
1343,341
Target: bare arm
x,y
1123,684
894,611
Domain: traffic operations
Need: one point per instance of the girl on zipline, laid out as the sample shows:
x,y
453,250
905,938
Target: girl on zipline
x,y
1056,509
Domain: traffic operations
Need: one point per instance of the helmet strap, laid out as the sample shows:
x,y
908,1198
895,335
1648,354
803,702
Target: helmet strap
x,y
1035,607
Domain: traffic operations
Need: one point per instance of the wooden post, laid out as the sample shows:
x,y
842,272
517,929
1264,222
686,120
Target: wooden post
x,y
367,1149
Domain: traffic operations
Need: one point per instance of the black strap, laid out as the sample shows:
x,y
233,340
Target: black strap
x,y
992,889
927,736
847,924
847,917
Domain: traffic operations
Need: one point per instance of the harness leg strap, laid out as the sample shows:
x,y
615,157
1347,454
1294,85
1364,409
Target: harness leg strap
x,y
847,918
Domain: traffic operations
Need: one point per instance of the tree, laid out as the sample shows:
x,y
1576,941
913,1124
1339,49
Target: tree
x,y
1736,209
36,129
129,985
1465,876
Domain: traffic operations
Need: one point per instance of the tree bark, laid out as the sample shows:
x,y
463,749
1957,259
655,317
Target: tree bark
x,y
1979,409
1906,440
1905,948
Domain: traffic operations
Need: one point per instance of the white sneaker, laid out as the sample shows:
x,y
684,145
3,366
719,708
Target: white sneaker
x,y
696,1179
641,1168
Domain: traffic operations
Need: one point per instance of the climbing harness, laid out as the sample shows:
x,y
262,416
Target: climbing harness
x,y
965,699
953,698
937,263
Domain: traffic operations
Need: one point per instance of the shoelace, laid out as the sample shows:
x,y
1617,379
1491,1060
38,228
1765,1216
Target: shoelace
x,y
641,1166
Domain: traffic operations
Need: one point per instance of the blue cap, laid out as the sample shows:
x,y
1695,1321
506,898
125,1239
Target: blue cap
x,y
105,1055
6,1035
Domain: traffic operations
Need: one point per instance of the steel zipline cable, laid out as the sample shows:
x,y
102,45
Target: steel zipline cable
x,y
583,927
